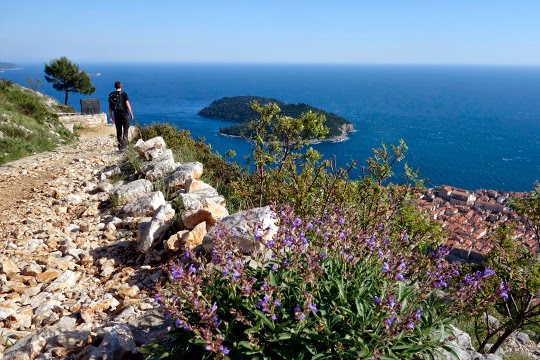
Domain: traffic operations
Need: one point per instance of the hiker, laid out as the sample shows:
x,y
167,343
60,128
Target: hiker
x,y
121,109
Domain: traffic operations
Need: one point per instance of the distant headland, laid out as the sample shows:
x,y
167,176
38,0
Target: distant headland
x,y
8,66
237,109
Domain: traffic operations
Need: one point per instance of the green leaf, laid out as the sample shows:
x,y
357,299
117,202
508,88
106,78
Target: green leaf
x,y
283,336
264,319
245,344
360,308
273,281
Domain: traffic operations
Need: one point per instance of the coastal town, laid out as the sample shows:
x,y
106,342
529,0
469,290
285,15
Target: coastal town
x,y
469,217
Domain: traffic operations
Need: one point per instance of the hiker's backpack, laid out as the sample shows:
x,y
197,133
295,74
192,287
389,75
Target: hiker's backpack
x,y
116,101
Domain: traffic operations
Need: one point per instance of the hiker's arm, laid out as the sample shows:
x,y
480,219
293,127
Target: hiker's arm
x,y
129,109
111,113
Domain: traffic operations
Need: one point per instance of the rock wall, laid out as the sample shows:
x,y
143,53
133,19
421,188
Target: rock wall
x,y
87,120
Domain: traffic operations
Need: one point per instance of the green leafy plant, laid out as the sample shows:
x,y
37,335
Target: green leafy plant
x,y
514,263
317,289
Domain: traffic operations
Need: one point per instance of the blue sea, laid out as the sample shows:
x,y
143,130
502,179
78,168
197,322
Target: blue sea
x,y
474,127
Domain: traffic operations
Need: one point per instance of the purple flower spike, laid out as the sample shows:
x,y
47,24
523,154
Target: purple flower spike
x,y
223,350
488,272
298,314
502,290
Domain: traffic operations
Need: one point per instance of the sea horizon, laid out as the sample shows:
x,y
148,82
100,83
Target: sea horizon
x,y
468,126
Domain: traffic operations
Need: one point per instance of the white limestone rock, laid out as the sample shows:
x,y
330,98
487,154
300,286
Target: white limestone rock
x,y
146,205
159,167
132,191
178,177
149,234
243,226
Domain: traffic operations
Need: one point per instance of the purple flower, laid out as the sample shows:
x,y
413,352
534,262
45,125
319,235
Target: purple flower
x,y
417,314
257,235
287,241
262,303
178,323
376,300
391,303
502,290
385,267
176,272
312,307
309,225
286,262
215,321
298,315
277,303
389,321
399,277
223,350
409,325
468,279
488,272
440,283
235,274
341,221
214,307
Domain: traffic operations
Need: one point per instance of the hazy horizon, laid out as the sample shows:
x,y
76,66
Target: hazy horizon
x,y
416,32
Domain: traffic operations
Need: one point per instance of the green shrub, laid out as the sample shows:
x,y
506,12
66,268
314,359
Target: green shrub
x,y
318,289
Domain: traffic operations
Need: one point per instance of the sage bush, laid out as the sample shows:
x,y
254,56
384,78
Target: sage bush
x,y
317,289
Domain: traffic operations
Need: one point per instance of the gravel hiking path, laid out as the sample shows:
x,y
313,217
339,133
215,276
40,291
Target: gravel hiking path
x,y
35,172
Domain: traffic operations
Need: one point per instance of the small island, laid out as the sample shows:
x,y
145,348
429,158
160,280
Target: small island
x,y
237,109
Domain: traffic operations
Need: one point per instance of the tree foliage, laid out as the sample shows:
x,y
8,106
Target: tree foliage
x,y
66,76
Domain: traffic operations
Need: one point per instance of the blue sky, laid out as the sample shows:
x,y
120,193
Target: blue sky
x,y
217,31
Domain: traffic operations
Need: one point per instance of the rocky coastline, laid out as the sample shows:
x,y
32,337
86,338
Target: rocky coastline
x,y
345,129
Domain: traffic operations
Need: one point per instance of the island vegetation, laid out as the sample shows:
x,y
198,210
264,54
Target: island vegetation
x,y
238,109
8,66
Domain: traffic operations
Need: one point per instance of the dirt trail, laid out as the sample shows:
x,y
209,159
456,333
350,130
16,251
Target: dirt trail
x,y
20,179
